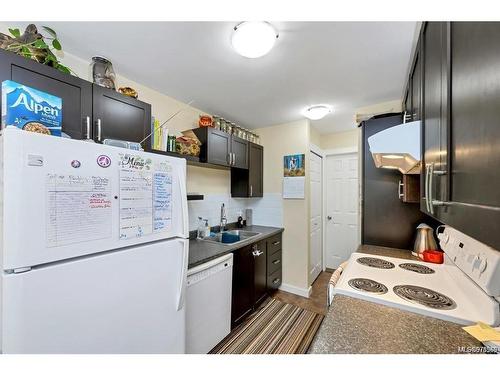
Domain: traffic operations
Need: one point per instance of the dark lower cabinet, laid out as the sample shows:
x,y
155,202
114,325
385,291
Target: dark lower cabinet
x,y
274,262
118,116
260,271
243,285
255,274
76,94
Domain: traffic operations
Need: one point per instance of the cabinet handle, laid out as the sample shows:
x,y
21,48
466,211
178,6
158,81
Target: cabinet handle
x,y
99,129
400,190
251,190
427,188
228,158
431,173
87,122
275,243
277,261
276,281
234,158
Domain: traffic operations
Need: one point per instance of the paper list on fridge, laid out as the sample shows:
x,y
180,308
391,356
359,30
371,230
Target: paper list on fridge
x,y
78,209
136,192
162,201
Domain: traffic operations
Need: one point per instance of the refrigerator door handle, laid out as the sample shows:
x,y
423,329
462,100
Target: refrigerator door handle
x,y
185,223
182,292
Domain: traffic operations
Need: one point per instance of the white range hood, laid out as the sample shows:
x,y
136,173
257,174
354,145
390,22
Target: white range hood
x,y
397,148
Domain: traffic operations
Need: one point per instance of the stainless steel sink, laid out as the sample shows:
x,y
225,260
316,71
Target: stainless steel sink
x,y
243,234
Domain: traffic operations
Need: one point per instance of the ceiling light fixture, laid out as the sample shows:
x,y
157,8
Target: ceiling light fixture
x,y
253,39
317,112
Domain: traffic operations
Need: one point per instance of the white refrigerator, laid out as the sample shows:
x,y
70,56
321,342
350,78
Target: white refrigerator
x,y
94,247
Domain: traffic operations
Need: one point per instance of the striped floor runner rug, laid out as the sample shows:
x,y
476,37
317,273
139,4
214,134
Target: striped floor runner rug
x,y
276,328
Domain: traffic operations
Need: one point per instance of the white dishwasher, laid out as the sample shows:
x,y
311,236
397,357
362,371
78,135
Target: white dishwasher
x,y
208,304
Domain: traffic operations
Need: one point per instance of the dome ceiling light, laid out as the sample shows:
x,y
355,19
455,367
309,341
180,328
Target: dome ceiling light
x,y
253,39
317,112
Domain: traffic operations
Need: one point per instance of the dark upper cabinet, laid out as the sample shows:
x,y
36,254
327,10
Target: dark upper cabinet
x,y
416,86
88,111
221,148
473,204
434,134
118,116
239,150
460,138
249,182
76,94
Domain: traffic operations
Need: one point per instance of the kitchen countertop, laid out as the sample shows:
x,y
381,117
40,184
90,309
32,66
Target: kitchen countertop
x,y
201,251
356,326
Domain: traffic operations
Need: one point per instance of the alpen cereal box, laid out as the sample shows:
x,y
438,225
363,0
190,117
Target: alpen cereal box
x,y
31,109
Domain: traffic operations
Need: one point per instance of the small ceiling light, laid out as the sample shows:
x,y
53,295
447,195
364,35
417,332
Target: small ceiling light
x,y
317,112
253,39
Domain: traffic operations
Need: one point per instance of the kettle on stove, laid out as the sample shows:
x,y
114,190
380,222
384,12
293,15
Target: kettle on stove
x,y
424,241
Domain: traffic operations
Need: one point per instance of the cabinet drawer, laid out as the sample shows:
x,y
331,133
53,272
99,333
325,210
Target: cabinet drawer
x,y
274,280
274,263
274,244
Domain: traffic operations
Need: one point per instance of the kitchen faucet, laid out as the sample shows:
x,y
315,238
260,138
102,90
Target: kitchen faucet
x,y
223,219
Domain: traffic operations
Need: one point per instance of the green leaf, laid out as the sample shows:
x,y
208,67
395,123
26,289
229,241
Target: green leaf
x,y
63,69
56,44
15,32
26,52
39,43
50,31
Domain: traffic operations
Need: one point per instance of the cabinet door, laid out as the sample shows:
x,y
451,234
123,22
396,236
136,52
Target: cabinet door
x,y
256,170
76,93
218,147
117,116
239,149
416,86
434,124
260,271
243,285
474,201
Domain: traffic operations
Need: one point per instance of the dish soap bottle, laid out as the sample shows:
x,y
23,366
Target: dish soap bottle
x,y
201,228
239,223
207,229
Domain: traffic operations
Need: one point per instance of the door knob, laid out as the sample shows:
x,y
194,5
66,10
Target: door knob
x,y
329,217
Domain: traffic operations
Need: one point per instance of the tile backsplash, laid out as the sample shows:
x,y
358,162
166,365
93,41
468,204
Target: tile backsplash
x,y
267,210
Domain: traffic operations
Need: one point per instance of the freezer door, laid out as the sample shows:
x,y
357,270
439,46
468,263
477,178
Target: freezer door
x,y
65,198
126,301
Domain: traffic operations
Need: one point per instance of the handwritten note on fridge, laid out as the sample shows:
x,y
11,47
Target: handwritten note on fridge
x,y
136,193
78,209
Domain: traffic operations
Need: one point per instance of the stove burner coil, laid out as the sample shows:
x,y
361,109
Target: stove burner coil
x,y
424,296
367,285
418,268
375,263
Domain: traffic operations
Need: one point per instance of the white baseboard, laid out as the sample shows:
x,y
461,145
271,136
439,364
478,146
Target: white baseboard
x,y
295,290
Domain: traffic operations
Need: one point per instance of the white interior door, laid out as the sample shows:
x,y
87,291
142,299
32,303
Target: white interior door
x,y
316,232
342,197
